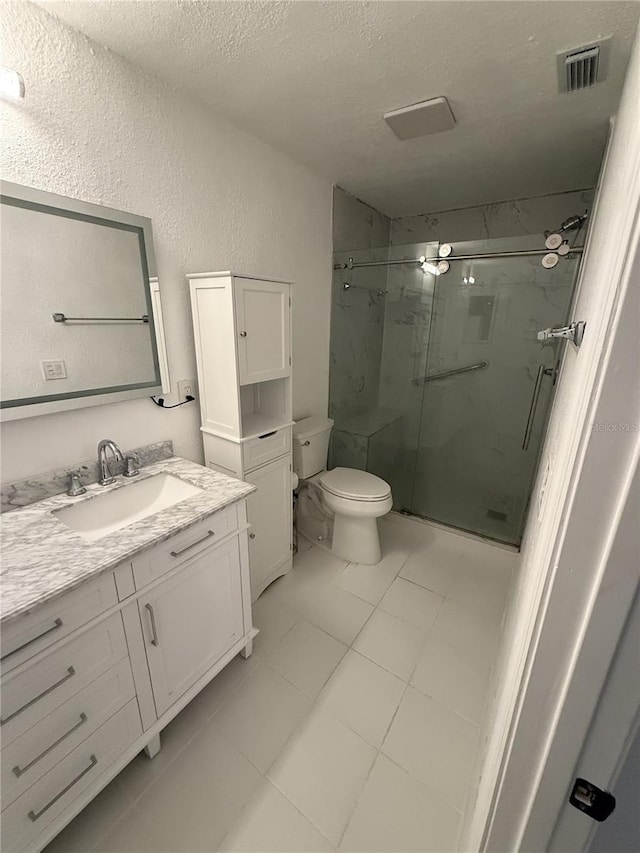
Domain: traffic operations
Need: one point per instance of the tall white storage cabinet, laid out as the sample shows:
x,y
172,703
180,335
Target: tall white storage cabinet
x,y
242,327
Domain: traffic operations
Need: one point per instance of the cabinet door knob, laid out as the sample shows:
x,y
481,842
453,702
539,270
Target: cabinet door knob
x,y
252,536
243,334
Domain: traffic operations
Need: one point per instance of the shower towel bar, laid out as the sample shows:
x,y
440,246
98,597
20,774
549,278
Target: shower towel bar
x,y
479,366
61,318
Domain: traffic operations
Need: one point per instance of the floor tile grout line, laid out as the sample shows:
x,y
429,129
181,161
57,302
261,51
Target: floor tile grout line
x,y
158,776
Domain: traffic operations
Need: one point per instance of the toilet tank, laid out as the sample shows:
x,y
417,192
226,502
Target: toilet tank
x,y
311,445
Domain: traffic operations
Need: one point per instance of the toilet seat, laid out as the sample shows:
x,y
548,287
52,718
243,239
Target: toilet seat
x,y
355,485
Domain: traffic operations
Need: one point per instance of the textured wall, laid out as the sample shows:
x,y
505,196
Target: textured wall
x,y
96,128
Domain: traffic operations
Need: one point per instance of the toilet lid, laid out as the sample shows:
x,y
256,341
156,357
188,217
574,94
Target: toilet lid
x,y
354,484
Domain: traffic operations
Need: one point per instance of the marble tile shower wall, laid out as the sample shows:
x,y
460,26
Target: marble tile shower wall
x,y
378,346
409,308
357,317
470,458
515,218
356,336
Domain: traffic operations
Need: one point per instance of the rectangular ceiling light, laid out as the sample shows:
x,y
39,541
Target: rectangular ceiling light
x,y
432,116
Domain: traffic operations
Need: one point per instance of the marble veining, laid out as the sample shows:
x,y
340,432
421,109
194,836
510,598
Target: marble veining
x,y
26,492
461,436
43,558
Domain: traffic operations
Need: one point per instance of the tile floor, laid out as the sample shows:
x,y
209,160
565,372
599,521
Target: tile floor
x,y
354,725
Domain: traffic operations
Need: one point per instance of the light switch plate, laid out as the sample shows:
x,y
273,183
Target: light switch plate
x,y
54,369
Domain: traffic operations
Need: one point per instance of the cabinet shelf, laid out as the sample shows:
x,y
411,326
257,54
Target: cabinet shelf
x,y
254,424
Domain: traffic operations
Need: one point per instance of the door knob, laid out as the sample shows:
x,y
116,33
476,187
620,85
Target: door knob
x,y
243,334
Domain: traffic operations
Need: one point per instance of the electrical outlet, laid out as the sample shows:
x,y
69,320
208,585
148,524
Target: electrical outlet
x,y
186,388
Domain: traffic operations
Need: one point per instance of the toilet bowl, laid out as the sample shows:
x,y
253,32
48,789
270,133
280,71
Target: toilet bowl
x,y
338,509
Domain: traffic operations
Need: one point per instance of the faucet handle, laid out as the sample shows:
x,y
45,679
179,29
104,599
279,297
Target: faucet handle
x,y
75,485
131,467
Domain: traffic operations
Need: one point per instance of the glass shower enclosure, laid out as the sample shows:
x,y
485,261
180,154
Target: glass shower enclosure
x,y
439,383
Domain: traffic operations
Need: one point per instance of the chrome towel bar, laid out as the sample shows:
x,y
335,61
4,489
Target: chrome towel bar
x,y
62,318
424,379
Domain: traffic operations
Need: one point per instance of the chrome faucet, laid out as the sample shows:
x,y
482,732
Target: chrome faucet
x,y
106,477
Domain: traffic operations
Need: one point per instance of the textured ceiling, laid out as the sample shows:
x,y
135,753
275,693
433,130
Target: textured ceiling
x,y
314,78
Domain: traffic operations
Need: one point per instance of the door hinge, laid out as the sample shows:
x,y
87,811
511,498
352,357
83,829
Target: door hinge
x,y
574,332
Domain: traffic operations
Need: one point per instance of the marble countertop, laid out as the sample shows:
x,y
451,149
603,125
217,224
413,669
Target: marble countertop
x,y
43,558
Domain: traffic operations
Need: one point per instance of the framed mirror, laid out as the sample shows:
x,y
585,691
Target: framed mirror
x,y
77,304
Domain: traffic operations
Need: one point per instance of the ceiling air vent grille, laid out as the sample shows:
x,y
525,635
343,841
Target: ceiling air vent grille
x,y
582,67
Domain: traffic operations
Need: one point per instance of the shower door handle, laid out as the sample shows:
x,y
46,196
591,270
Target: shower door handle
x,y
542,372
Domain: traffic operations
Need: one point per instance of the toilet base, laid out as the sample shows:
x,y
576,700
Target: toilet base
x,y
336,525
356,539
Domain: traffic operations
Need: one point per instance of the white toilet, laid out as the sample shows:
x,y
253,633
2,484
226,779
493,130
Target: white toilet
x,y
337,509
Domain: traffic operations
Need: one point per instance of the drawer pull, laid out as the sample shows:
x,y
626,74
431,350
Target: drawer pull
x,y
268,434
154,627
33,816
20,770
193,544
70,673
57,624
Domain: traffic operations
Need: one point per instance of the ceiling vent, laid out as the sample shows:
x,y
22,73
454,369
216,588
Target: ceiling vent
x,y
583,67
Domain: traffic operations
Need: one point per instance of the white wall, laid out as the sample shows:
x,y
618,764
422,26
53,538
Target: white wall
x,y
589,451
96,128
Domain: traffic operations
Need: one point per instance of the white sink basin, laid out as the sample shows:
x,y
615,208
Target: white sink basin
x,y
105,514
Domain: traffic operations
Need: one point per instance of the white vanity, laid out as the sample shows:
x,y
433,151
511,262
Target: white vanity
x,y
107,636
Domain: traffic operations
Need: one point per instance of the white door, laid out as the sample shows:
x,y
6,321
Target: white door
x,y
191,620
269,512
571,599
262,317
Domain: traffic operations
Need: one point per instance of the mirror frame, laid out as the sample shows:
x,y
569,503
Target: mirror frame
x,y
86,211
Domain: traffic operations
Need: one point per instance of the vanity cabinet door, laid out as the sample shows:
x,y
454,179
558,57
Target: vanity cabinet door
x,y
262,316
269,514
191,620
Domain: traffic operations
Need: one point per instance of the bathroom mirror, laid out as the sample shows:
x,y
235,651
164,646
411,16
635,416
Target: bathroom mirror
x,y
78,324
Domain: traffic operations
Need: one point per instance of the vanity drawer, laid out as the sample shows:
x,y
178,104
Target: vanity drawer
x,y
33,632
34,692
38,750
28,816
269,446
157,561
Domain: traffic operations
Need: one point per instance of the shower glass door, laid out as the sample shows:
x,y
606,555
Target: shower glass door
x,y
480,430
